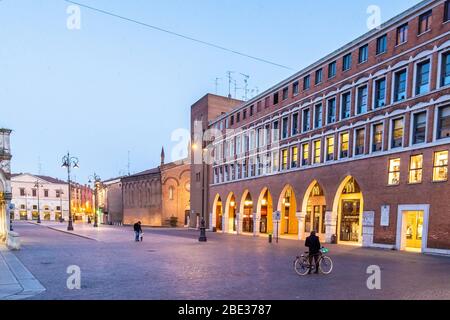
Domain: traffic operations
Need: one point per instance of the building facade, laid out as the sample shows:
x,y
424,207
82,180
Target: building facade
x,y
82,202
158,197
354,146
36,195
5,184
110,201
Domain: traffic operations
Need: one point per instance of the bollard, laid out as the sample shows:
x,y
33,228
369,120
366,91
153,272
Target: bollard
x,y
270,238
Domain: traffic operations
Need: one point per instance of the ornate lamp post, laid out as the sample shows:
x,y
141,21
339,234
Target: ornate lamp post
x,y
38,186
69,162
203,151
95,179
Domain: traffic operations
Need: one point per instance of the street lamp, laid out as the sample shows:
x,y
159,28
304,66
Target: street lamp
x,y
61,192
37,185
202,237
69,162
95,179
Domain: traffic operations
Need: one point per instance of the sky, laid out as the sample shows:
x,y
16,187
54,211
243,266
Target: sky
x,y
114,90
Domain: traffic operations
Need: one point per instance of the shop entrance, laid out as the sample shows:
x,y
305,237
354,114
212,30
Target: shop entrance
x,y
350,213
414,230
247,224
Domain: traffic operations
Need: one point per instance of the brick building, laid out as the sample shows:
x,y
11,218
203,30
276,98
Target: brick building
x,y
159,195
354,146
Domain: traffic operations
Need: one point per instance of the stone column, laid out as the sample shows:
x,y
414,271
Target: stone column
x,y
29,215
211,222
368,224
330,226
256,224
239,223
301,224
225,223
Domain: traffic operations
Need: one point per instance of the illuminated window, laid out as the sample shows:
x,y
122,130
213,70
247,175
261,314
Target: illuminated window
x,y
275,161
317,151
394,172
415,169
305,154
344,145
284,159
397,133
330,148
440,167
377,138
360,141
294,157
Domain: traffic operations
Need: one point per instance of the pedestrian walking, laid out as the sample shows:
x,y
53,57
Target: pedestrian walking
x,y
137,231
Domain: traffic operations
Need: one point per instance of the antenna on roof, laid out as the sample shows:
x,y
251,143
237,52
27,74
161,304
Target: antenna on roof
x,y
246,90
230,79
217,85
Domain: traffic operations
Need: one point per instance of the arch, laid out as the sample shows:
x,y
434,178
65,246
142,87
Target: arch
x,y
217,211
171,178
230,214
348,207
287,205
314,208
246,212
264,210
183,172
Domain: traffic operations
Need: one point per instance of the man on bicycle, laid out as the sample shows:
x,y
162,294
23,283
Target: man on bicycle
x,y
313,243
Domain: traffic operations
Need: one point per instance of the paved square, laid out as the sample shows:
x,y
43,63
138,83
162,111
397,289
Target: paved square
x,y
172,264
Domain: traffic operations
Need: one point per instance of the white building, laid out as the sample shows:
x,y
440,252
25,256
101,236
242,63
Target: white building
x,y
34,195
5,184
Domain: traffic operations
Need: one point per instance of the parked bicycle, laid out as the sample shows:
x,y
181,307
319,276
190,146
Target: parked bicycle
x,y
302,266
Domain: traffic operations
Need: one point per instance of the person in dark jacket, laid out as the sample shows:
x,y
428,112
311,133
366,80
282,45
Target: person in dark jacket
x,y
313,243
137,230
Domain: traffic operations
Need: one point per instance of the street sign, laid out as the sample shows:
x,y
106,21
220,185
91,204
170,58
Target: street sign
x,y
276,216
12,206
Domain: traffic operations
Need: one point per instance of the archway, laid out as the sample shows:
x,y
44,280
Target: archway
x,y
265,210
314,207
230,214
287,205
218,213
247,212
349,204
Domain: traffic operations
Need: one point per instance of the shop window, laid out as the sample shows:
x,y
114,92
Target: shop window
x,y
394,172
416,169
440,167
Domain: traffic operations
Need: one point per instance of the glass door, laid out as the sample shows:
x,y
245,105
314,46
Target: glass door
x,y
414,229
350,221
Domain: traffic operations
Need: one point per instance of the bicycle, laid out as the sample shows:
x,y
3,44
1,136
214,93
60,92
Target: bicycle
x,y
302,266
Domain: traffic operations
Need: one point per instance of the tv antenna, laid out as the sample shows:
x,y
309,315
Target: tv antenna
x,y
246,90
230,80
217,84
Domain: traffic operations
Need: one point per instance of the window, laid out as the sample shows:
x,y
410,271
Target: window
x,y
295,88
445,69
306,120
402,34
285,127
285,93
231,120
58,208
261,137
275,132
258,106
347,62
330,149
295,124
377,138
267,102
318,116
319,76
425,22
423,77
275,98
34,193
380,93
306,82
317,151
382,44
244,115
305,154
415,169
238,117
22,192
346,105
46,193
170,193
419,127
440,167
331,111
238,143
332,70
360,141
397,133
394,172
362,100
447,11
443,125
294,157
363,54
275,161
344,145
284,159
400,85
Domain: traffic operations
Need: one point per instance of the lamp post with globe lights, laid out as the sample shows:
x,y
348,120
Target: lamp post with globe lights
x,y
69,162
95,179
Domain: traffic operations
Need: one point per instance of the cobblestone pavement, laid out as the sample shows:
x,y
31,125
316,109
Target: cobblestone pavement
x,y
172,264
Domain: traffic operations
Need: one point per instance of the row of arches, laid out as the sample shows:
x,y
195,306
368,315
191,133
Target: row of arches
x,y
298,214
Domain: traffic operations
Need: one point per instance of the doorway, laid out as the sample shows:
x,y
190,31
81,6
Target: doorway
x,y
412,228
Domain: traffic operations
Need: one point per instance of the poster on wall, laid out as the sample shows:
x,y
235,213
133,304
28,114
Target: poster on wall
x,y
385,216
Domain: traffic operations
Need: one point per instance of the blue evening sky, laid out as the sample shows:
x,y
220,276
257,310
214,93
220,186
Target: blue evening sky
x,y
114,87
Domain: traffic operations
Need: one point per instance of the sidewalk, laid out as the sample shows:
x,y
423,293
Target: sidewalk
x,y
16,282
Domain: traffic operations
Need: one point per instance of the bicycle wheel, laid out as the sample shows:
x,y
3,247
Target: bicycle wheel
x,y
326,265
301,266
